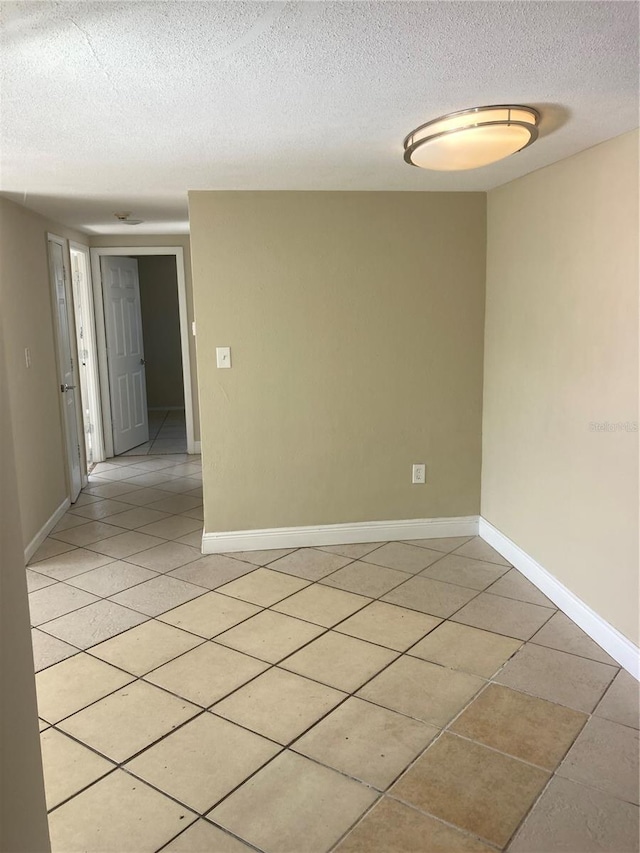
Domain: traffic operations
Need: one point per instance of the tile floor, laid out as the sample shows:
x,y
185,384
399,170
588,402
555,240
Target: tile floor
x,y
167,434
382,698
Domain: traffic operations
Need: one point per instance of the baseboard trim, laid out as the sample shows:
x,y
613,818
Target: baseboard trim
x,y
197,447
338,534
45,530
605,635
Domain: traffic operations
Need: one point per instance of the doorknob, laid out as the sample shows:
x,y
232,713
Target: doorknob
x,y
66,387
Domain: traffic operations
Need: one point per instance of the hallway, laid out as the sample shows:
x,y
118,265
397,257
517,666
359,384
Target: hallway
x,y
361,698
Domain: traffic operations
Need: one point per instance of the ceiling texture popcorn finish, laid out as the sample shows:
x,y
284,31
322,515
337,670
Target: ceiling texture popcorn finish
x,y
112,106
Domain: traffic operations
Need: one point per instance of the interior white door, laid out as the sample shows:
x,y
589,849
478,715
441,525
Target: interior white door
x,y
67,368
125,352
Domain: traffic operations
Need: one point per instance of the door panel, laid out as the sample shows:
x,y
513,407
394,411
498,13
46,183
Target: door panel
x,y
125,352
66,368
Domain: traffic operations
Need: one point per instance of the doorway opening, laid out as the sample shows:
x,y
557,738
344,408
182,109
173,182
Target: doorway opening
x,y
143,350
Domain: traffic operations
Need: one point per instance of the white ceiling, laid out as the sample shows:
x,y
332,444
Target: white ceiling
x,y
111,106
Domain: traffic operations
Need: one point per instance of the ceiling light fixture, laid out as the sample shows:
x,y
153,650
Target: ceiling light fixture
x,y
471,138
125,219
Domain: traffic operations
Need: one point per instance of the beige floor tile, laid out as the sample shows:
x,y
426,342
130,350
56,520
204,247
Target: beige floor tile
x,y
472,787
143,497
88,533
43,725
212,571
279,705
99,509
197,512
309,563
478,549
269,636
165,557
158,595
68,766
68,521
514,585
605,756
293,804
366,579
340,661
563,634
111,490
393,827
557,676
146,647
572,818
472,574
144,713
207,673
92,624
72,684
367,742
203,760
84,499
354,552
405,558
74,562
422,690
526,727
172,527
322,605
430,596
263,587
387,625
134,518
468,649
203,837
210,614
50,548
445,545
503,616
111,578
175,503
95,820
48,650
193,540
125,544
36,581
182,485
56,600
148,479
260,558
621,702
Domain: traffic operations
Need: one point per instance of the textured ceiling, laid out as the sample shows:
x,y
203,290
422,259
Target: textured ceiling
x,y
111,106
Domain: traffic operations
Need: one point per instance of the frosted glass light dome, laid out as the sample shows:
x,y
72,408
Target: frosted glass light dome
x,y
471,138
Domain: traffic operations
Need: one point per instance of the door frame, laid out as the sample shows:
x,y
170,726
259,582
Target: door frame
x,y
84,291
130,251
64,244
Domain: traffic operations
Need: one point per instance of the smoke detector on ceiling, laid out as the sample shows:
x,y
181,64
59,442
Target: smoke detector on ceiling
x,y
125,219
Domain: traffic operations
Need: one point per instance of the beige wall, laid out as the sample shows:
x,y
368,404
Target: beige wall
x,y
167,240
161,330
562,353
27,321
355,321
23,815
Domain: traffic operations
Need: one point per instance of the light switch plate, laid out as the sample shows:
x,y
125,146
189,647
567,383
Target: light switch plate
x,y
223,356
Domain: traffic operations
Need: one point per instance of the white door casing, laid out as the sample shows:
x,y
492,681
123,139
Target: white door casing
x,y
67,374
125,352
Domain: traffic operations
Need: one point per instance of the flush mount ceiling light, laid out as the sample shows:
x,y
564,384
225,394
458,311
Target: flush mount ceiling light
x,y
125,219
471,138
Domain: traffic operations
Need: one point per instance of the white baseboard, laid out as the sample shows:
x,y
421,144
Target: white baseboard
x,y
197,447
338,534
45,530
605,635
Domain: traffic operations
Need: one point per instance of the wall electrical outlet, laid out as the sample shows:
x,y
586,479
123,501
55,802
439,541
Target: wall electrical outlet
x,y
418,473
